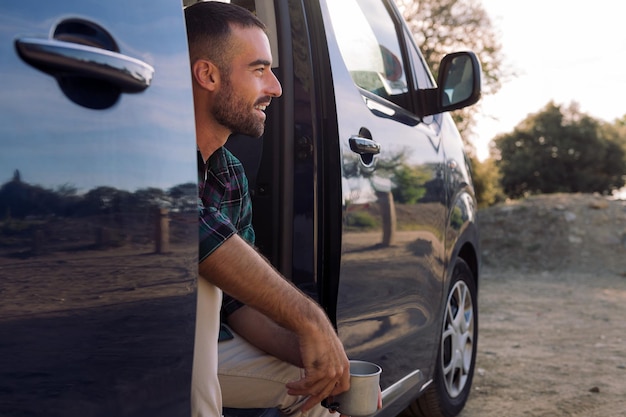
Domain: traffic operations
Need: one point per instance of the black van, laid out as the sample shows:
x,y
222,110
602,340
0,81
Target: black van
x,y
361,189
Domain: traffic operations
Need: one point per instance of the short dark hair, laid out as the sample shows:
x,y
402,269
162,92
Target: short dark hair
x,y
208,29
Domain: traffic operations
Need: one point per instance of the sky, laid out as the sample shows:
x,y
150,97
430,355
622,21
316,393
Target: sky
x,y
562,50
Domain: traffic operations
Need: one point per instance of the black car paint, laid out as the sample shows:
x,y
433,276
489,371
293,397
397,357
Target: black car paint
x,y
92,320
123,346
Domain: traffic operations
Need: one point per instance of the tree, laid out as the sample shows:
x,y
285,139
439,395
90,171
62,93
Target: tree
x,y
486,182
559,150
184,196
616,131
409,184
443,26
151,197
19,199
104,200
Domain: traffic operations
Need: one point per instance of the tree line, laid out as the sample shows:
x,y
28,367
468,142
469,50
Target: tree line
x,y
557,149
19,200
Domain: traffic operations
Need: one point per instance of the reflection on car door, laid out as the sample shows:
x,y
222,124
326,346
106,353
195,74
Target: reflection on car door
x,y
97,207
393,200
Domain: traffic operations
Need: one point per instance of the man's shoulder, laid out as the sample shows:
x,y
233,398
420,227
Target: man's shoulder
x,y
223,159
231,160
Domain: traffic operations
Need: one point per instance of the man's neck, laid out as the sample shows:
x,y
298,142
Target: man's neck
x,y
210,139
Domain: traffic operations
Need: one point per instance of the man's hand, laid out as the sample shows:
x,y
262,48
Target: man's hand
x,y
326,366
243,273
284,344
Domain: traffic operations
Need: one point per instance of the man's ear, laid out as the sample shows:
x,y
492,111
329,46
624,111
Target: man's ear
x,y
206,74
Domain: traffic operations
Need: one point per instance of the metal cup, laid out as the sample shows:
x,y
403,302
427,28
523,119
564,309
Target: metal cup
x,y
362,397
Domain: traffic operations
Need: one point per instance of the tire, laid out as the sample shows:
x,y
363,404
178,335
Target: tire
x,y
454,371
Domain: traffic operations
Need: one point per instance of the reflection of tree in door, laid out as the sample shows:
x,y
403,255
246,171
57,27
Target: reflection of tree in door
x,y
393,181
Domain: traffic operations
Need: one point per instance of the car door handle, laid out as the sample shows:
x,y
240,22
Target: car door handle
x,y
53,56
364,146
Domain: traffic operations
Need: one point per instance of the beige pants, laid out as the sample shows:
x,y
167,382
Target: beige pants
x,y
206,398
250,378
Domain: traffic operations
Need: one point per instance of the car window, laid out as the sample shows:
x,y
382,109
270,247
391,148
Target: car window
x,y
368,41
423,78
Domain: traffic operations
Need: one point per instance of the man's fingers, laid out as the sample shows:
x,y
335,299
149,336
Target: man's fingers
x,y
334,381
313,400
318,389
343,383
326,366
308,386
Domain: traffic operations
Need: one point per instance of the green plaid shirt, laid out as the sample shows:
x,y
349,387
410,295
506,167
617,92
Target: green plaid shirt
x,y
224,207
224,204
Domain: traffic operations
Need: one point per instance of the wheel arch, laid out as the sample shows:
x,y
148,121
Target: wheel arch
x,y
469,253
463,235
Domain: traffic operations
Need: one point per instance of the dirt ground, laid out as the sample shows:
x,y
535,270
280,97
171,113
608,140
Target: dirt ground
x,y
552,309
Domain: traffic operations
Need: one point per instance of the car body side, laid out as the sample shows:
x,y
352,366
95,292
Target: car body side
x,y
98,256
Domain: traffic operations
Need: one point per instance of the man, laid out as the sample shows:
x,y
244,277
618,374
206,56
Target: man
x,y
232,85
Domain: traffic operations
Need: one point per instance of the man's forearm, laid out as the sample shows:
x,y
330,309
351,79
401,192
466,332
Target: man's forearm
x,y
262,332
243,273
240,271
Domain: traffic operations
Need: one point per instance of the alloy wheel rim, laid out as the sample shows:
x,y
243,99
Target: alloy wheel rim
x,y
457,342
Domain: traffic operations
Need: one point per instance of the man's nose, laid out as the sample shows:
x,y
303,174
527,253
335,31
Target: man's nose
x,y
274,88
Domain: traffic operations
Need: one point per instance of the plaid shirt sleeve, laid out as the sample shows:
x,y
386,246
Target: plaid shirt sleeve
x,y
225,208
214,230
223,202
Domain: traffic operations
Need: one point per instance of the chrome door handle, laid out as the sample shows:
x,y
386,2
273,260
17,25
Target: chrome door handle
x,y
364,146
51,56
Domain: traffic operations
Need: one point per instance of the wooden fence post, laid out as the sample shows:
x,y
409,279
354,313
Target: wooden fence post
x,y
162,231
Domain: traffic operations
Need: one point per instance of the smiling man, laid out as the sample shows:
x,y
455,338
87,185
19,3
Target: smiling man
x,y
284,351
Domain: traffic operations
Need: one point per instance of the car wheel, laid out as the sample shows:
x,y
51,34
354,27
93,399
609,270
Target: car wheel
x,y
451,385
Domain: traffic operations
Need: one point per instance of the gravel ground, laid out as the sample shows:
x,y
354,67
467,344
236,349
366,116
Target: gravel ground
x,y
552,338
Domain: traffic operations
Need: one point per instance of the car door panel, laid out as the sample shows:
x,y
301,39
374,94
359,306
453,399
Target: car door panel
x,y
390,284
97,244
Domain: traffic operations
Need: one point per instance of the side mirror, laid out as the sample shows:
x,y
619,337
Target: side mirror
x,y
458,84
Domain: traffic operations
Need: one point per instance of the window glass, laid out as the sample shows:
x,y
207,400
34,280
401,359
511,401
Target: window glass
x,y
422,77
368,42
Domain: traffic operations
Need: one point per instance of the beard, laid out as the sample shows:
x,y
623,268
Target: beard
x,y
235,113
